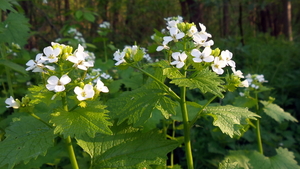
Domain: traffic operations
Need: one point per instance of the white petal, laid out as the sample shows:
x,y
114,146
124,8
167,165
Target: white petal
x,y
207,51
72,59
159,48
53,80
167,39
209,59
180,65
175,55
30,63
50,87
180,35
56,51
183,56
197,60
195,53
65,79
59,88
48,50
78,90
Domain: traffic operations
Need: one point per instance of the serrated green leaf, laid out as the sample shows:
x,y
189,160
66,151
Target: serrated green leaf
x,y
231,120
26,139
136,105
40,94
6,5
15,29
13,66
276,112
205,80
127,148
284,159
81,121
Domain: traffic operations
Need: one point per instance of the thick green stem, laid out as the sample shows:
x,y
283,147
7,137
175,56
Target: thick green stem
x,y
258,135
68,140
173,136
187,134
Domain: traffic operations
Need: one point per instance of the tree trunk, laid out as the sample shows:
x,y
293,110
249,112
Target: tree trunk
x,y
287,19
225,26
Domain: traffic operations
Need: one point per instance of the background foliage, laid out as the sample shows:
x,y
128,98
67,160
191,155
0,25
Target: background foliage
x,y
254,31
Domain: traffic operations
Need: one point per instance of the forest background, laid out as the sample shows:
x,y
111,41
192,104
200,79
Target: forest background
x,y
263,36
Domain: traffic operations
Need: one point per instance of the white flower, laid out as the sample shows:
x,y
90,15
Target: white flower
x,y
175,35
204,56
86,93
260,78
218,65
192,31
79,59
57,85
100,87
226,56
12,103
119,57
51,54
201,37
37,64
164,46
238,73
179,59
244,83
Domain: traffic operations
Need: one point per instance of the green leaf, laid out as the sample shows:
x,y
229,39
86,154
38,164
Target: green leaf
x,y
26,139
78,14
13,66
127,148
40,94
81,121
89,16
284,159
6,5
276,112
205,80
137,105
15,29
231,120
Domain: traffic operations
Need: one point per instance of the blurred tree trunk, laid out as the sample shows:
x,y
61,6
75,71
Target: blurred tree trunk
x,y
67,9
240,20
225,24
287,19
192,11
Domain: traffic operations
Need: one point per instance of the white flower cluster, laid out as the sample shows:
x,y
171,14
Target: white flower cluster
x,y
200,39
77,35
59,54
255,80
96,74
105,25
130,52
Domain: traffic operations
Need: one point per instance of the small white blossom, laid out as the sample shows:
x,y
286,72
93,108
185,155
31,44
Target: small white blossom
x,y
11,102
100,87
202,56
192,31
37,64
119,57
218,66
51,54
57,85
84,93
105,25
244,83
238,73
175,35
179,59
227,56
79,59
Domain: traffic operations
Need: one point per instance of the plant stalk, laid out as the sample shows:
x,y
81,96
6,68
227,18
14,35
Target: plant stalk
x,y
187,134
68,140
258,135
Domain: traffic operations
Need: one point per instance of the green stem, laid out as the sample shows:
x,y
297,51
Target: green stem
x,y
68,140
200,111
173,136
169,90
186,125
258,135
187,137
41,120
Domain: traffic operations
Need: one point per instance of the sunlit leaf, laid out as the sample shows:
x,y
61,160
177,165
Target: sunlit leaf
x,y
276,112
231,120
81,121
127,148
